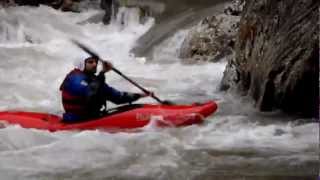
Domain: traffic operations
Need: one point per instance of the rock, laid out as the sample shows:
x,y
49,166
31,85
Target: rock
x,y
111,8
27,2
64,5
145,7
38,2
230,76
212,39
277,56
235,8
67,5
7,3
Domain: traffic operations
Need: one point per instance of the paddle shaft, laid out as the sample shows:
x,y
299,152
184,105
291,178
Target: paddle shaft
x,y
136,84
92,53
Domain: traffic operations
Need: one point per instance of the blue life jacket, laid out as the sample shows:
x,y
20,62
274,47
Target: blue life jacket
x,y
83,96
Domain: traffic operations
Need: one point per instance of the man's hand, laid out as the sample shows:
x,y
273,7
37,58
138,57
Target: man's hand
x,y
106,66
136,96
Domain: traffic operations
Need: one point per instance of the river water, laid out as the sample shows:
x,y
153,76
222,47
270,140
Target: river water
x,y
237,142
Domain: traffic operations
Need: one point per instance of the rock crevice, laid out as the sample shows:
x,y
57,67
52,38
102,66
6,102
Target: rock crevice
x,y
277,57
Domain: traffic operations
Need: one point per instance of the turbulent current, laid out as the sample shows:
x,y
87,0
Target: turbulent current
x,y
237,142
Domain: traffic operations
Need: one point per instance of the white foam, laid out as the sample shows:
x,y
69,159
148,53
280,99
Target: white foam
x,y
30,75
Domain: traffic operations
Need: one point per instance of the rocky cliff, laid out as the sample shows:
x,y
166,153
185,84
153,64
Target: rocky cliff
x,y
277,56
214,37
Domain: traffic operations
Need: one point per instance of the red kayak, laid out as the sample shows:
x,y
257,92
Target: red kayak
x,y
125,117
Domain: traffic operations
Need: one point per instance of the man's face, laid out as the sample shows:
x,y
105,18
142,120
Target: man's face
x,y
91,65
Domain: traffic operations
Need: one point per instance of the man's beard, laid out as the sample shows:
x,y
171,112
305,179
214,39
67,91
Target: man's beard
x,y
92,72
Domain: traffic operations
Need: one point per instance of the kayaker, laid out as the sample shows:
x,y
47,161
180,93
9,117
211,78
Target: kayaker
x,y
84,94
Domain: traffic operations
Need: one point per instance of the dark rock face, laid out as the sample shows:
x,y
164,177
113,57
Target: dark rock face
x,y
64,5
6,3
37,2
277,55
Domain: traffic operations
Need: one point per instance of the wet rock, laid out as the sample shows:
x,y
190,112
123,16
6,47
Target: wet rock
x,y
230,75
64,5
38,2
277,56
235,8
27,2
7,3
111,8
146,8
67,5
213,38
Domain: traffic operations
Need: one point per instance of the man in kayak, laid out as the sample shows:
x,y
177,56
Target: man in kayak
x,y
84,94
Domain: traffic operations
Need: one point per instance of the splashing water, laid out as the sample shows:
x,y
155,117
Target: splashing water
x,y
236,141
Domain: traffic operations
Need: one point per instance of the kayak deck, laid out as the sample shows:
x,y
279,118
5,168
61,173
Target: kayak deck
x,y
124,117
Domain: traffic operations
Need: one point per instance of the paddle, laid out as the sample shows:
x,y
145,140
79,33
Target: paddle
x,y
92,53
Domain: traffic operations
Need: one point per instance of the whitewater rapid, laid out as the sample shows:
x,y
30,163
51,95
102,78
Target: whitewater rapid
x,y
36,53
